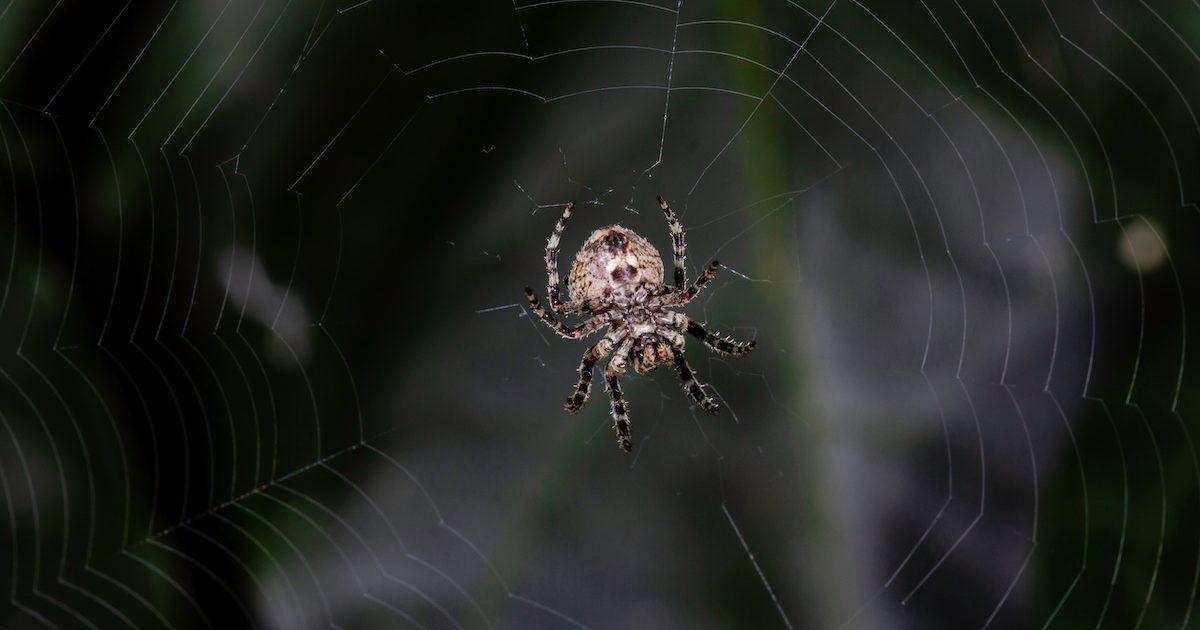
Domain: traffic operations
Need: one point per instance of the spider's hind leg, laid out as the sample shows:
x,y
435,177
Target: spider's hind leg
x,y
583,388
620,411
620,408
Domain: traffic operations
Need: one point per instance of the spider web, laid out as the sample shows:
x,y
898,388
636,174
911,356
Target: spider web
x,y
265,360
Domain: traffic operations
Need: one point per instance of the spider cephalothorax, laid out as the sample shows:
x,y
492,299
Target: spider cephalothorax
x,y
617,280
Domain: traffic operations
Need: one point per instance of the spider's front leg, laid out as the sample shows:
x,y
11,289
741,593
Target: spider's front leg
x,y
680,247
553,280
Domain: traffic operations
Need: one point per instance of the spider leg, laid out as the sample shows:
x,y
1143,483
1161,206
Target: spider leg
x,y
680,247
620,409
698,285
691,385
715,341
679,298
570,332
672,337
553,279
586,368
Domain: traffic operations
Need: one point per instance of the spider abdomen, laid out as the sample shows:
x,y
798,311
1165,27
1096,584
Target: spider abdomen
x,y
613,260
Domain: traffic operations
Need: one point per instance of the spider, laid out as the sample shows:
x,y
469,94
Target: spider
x,y
617,280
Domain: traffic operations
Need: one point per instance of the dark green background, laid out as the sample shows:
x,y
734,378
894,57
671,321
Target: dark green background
x,y
264,359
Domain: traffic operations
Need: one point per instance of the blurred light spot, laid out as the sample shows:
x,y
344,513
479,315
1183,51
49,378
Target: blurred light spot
x,y
1141,248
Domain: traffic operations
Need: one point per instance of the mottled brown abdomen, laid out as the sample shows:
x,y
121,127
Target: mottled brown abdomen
x,y
613,258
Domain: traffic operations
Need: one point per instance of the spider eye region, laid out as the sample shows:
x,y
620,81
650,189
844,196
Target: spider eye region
x,y
649,353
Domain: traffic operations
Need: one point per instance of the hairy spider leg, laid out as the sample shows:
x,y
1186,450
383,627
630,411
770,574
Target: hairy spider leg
x,y
691,385
679,298
715,341
672,337
698,285
620,409
570,332
583,388
680,247
553,280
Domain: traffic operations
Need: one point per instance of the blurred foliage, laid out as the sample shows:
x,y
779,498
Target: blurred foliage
x,y
265,261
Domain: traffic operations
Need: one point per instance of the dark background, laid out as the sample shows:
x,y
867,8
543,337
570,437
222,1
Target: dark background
x,y
264,359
